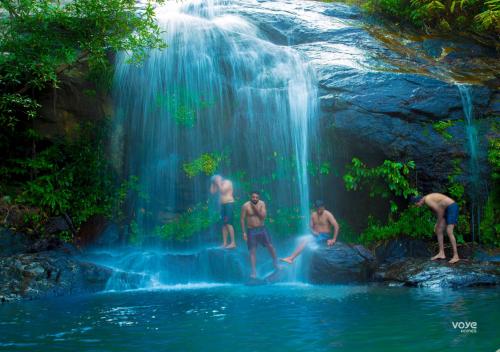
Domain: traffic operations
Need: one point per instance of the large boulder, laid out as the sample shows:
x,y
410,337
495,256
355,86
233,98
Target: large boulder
x,y
341,263
48,274
427,273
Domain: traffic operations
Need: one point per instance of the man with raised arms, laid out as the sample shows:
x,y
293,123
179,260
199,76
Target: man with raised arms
x,y
446,211
321,226
226,200
254,213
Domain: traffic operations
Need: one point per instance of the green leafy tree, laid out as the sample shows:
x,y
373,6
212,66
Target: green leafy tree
x,y
40,40
389,180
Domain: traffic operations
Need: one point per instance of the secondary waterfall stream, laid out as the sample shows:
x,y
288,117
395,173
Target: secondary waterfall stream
x,y
472,146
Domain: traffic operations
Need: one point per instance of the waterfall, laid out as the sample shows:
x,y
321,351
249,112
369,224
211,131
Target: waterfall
x,y
472,143
222,90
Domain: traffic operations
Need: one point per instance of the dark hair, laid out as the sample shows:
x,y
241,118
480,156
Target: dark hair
x,y
415,199
255,192
319,204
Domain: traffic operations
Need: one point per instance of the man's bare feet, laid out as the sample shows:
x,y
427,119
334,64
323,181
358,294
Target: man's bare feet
x,y
454,260
438,256
253,276
231,246
224,245
287,260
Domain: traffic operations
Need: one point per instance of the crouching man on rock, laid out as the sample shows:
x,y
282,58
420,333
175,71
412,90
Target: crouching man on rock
x,y
321,225
446,210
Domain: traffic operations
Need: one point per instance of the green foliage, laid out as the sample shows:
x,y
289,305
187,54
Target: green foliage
x,y
187,224
490,18
479,16
316,169
69,177
184,105
285,221
39,41
441,128
40,38
207,163
386,180
490,222
456,190
347,234
389,180
13,107
414,222
134,233
494,159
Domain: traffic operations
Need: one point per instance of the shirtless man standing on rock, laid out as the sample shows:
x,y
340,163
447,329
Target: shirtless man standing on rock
x,y
226,200
321,225
254,212
446,211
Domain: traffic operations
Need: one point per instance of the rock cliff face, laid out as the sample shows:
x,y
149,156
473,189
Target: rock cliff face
x,y
75,101
380,90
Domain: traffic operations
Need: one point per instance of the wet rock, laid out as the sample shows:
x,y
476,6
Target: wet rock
x,y
487,255
341,263
427,273
13,242
395,250
224,265
48,274
52,243
58,224
93,230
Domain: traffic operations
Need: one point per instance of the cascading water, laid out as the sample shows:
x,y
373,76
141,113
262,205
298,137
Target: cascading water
x,y
472,143
222,90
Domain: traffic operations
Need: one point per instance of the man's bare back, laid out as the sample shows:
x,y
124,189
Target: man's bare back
x,y
438,202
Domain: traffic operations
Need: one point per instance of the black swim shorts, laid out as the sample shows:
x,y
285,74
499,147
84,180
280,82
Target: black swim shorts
x,y
227,213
